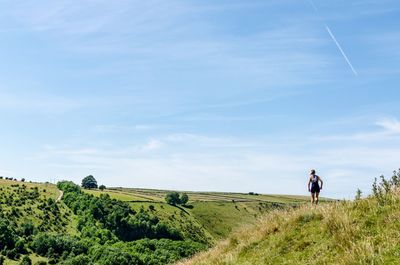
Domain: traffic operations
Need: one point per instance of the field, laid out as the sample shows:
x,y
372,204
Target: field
x,y
210,215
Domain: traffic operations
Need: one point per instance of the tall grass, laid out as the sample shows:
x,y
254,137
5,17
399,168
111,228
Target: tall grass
x,y
364,231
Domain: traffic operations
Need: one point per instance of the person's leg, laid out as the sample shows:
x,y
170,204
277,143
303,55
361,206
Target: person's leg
x,y
316,195
312,197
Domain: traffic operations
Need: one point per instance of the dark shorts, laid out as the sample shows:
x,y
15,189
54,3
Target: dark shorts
x,y
315,188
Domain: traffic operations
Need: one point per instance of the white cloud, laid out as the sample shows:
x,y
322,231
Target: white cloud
x,y
390,125
152,145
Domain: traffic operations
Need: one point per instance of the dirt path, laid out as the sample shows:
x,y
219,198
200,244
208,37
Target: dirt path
x,y
60,196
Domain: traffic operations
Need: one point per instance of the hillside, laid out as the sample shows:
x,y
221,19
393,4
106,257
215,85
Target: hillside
x,y
118,226
27,209
209,216
365,231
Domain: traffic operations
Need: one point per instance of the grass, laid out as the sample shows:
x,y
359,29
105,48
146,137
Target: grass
x,y
27,202
211,216
360,232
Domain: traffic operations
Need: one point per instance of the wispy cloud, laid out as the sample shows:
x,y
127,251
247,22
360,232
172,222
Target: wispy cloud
x,y
391,125
385,129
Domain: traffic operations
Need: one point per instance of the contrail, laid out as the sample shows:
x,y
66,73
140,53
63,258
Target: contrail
x,y
341,50
333,38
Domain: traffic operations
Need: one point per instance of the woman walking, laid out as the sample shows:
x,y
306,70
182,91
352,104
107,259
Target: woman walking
x,y
315,188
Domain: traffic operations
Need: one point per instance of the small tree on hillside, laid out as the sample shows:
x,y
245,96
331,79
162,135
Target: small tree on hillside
x,y
89,182
184,198
172,198
358,194
102,187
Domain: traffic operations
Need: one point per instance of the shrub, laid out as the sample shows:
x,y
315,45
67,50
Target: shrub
x,y
26,260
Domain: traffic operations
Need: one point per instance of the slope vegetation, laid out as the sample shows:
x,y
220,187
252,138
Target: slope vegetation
x,y
365,231
209,216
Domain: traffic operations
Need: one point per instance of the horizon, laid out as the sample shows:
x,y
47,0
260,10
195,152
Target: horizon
x,y
200,96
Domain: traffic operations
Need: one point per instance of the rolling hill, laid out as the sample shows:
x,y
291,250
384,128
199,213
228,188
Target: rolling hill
x,y
118,225
364,231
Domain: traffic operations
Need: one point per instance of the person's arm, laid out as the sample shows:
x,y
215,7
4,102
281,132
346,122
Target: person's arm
x,y
322,183
308,185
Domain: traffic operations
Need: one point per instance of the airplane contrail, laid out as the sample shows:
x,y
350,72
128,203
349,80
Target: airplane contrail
x,y
341,50
334,39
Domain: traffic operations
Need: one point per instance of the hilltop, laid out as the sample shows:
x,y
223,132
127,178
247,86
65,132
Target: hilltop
x,y
364,231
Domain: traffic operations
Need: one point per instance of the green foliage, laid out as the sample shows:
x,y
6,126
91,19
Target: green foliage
x,y
8,236
175,198
184,198
89,182
102,187
54,246
26,261
172,198
114,215
382,190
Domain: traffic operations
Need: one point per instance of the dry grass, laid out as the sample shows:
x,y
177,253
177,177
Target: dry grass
x,y
360,232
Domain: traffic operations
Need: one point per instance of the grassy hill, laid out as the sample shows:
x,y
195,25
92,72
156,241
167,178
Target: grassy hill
x,y
30,208
364,231
129,226
210,216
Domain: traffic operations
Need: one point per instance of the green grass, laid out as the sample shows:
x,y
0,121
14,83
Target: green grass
x,y
210,216
361,232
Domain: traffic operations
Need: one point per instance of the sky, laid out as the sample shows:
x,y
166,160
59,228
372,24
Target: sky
x,y
221,95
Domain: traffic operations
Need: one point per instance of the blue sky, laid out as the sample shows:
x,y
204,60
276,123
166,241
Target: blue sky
x,y
201,95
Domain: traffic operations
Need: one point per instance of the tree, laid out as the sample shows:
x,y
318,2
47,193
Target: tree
x,y
172,198
102,187
358,194
89,182
184,198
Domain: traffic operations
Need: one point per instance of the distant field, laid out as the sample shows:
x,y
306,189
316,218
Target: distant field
x,y
159,195
209,215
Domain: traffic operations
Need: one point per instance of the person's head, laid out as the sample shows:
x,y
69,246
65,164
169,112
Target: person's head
x,y
312,172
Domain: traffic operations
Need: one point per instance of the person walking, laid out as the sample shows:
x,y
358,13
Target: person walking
x,y
315,188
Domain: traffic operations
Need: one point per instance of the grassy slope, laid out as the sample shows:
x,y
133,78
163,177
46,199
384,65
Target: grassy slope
x,y
12,196
212,215
361,232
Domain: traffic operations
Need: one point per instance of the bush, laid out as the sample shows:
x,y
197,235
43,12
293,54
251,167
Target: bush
x,y
53,246
102,187
382,189
26,260
7,235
